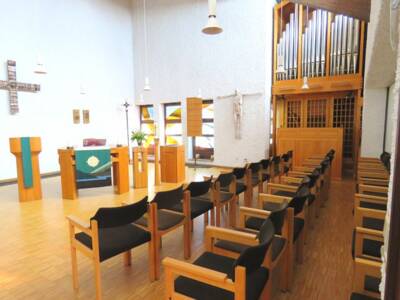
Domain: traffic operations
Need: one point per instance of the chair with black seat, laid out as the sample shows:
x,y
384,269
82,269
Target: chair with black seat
x,y
165,219
241,183
198,206
214,276
281,220
223,194
369,201
110,233
367,278
368,233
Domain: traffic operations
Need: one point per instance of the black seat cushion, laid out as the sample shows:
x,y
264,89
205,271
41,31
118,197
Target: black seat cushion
x,y
197,207
284,194
116,240
240,188
377,194
369,247
371,205
373,223
278,243
224,196
255,281
297,228
273,206
254,223
356,296
255,180
166,219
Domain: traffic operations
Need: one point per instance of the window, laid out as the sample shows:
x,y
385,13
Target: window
x,y
204,145
173,123
147,123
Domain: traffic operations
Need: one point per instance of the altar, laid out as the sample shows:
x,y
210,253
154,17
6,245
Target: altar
x,y
87,168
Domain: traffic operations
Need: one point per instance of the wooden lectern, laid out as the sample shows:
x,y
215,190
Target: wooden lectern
x,y
140,176
172,163
28,173
120,171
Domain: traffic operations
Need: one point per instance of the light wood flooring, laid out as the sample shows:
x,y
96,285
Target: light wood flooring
x,y
35,257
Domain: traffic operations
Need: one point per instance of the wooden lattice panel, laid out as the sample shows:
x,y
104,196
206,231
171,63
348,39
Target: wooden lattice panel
x,y
317,113
293,114
343,117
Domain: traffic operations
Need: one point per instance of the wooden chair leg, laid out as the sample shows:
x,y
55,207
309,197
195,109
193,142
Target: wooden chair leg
x,y
289,266
218,215
74,262
212,216
206,219
152,262
157,247
261,187
232,212
300,247
160,242
169,284
191,225
97,278
267,291
186,240
127,258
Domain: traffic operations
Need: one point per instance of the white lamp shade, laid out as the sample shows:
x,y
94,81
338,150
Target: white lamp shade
x,y
305,85
212,26
147,84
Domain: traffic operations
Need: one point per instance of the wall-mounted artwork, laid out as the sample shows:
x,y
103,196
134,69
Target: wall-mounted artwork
x,y
76,113
86,116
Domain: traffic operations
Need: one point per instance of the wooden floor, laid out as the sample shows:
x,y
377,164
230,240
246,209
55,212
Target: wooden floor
x,y
35,261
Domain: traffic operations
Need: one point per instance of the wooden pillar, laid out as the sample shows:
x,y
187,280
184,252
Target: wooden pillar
x,y
157,161
140,174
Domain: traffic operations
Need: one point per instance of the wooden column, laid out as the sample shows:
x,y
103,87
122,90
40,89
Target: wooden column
x,y
157,180
140,173
35,191
120,162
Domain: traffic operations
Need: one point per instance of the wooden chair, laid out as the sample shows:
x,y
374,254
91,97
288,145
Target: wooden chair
x,y
283,237
110,233
165,220
371,202
223,194
198,206
214,276
373,190
367,277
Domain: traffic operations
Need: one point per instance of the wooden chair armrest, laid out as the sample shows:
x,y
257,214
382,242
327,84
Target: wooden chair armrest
x,y
368,159
201,274
213,233
272,198
80,224
281,187
290,179
372,233
373,188
303,169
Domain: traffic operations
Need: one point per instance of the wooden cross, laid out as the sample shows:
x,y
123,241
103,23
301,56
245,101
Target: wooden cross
x,y
14,87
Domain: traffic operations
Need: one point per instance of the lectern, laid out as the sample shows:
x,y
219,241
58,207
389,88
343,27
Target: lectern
x,y
26,151
172,163
120,171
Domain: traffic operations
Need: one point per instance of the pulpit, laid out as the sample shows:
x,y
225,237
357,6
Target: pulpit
x,y
120,171
172,163
26,151
140,174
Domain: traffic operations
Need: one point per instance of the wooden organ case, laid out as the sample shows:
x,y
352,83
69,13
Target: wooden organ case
x,y
318,74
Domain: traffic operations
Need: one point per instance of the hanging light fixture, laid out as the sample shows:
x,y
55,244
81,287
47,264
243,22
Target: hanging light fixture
x,y
146,67
281,68
40,69
305,85
212,26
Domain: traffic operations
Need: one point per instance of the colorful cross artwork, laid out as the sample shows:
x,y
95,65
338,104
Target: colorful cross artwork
x,y
14,87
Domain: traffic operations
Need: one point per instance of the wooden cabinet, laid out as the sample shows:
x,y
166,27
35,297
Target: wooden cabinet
x,y
172,163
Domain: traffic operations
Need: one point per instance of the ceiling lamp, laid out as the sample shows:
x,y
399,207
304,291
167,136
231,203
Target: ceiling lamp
x,y
40,69
305,85
212,26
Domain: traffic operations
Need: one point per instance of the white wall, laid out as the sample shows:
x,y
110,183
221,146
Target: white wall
x,y
373,122
85,42
182,60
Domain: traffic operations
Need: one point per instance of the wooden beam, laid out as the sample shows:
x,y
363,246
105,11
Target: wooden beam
x,y
359,9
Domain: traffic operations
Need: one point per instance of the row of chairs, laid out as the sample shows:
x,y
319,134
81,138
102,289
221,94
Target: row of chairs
x,y
369,218
238,263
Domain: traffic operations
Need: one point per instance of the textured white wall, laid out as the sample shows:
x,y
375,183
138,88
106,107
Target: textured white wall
x,y
391,117
373,122
85,42
182,60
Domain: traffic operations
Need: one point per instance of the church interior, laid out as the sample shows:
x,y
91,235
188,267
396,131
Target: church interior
x,y
200,149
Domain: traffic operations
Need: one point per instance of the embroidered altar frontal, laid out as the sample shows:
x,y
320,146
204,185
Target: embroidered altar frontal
x,y
93,168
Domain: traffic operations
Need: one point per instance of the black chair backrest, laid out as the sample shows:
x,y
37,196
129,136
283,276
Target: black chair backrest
x,y
168,199
108,217
285,157
300,199
225,179
254,167
253,257
278,219
264,163
239,172
199,188
275,161
290,153
314,177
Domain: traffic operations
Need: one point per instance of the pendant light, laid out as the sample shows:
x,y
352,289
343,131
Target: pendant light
x,y
281,68
212,26
40,69
305,85
146,67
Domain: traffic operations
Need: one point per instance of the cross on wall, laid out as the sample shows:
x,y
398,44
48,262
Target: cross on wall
x,y
14,87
